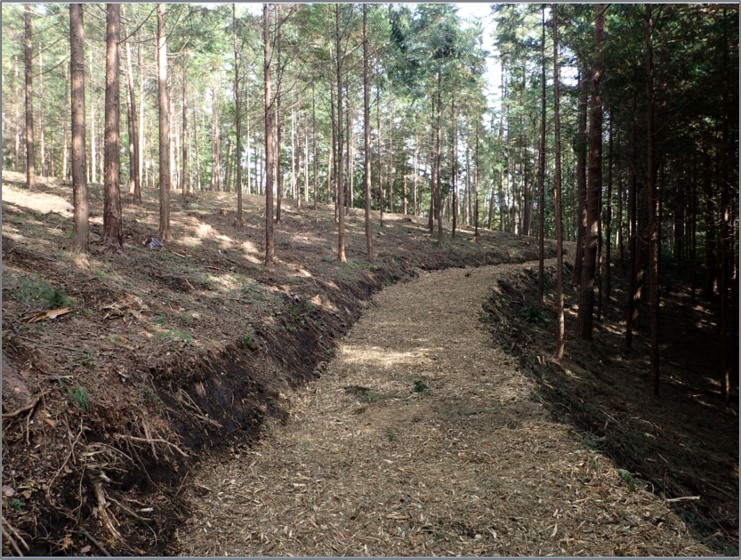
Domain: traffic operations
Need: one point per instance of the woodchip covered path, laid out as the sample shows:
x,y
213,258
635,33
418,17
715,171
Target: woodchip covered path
x,y
421,438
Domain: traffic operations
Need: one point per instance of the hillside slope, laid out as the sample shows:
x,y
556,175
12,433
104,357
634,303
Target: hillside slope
x,y
167,353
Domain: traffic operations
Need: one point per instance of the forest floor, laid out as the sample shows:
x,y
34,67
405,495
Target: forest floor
x,y
176,408
166,354
422,438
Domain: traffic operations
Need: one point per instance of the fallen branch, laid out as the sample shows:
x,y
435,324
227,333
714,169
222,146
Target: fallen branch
x,y
681,499
95,542
11,532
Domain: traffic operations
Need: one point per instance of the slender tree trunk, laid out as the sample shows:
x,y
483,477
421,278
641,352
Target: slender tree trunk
x,y
215,145
581,175
438,158
653,225
278,121
93,147
185,140
315,163
28,59
454,165
80,229
630,313
269,139
586,289
380,160
112,223
340,192
141,137
43,167
607,273
164,122
541,168
477,178
367,139
557,190
249,149
65,133
238,124
415,209
134,151
18,125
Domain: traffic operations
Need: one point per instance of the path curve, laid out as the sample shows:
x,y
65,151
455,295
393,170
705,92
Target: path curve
x,y
423,439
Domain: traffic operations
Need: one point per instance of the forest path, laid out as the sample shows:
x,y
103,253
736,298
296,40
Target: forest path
x,y
421,438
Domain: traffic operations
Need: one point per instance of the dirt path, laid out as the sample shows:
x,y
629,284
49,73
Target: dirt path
x,y
423,439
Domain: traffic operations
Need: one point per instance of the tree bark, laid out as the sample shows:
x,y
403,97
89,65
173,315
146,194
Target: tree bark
x,y
557,191
238,124
134,161
112,222
43,168
586,288
269,139
185,144
28,60
367,139
65,133
340,190
581,175
164,122
80,229
541,169
653,225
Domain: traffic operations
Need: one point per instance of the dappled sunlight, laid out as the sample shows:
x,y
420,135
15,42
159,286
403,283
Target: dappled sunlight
x,y
382,357
36,201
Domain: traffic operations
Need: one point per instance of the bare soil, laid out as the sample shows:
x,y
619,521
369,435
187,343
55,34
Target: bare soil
x,y
424,438
169,356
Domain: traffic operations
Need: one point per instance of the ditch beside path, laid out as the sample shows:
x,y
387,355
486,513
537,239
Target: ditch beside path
x,y
422,438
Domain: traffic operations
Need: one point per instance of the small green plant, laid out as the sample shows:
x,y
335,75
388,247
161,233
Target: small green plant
x,y
628,478
533,315
17,504
247,341
391,435
421,387
152,397
30,290
80,397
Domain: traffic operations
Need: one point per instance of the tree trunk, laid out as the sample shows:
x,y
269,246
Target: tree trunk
x,y
80,229
454,165
586,288
141,137
630,313
438,158
185,141
269,138
380,160
215,145
164,122
112,224
653,225
238,124
278,122
28,60
607,273
42,137
340,190
581,175
557,191
367,139
93,147
65,133
541,169
134,161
